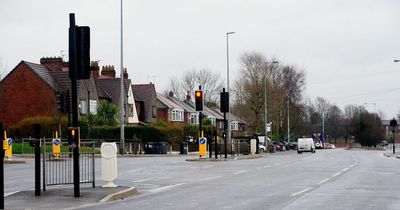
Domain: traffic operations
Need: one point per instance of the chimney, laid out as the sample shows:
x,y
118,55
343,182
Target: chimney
x,y
125,74
171,94
55,64
95,69
188,98
108,71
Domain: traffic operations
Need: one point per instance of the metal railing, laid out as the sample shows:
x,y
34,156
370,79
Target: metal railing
x,y
58,169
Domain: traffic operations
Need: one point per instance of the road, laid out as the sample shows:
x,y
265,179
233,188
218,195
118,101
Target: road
x,y
329,179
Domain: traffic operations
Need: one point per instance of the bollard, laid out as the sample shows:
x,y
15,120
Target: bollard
x,y
56,147
9,148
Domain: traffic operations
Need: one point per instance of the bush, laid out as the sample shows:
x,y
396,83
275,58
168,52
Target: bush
x,y
48,124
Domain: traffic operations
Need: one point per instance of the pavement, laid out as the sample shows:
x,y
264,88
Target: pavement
x,y
63,197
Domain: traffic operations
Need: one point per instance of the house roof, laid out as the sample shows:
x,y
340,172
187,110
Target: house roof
x,y
167,102
186,107
206,110
112,87
143,92
44,73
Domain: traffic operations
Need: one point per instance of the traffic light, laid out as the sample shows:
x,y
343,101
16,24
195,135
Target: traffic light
x,y
224,102
198,96
83,51
73,136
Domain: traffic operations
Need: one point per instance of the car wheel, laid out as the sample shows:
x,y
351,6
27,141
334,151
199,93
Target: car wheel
x,y
261,150
298,152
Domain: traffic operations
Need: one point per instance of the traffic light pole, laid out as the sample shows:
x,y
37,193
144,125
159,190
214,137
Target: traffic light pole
x,y
73,74
1,169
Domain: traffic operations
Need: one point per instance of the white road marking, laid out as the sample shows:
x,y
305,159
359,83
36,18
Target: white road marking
x,y
300,192
337,174
277,164
345,169
165,188
240,172
323,181
141,180
208,178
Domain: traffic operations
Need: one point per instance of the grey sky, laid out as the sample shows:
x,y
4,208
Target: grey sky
x,y
346,47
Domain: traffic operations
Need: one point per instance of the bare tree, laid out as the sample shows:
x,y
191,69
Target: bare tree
x,y
282,82
210,81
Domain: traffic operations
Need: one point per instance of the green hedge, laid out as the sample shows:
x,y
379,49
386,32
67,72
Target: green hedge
x,y
169,134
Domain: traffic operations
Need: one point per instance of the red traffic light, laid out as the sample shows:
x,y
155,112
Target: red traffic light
x,y
198,96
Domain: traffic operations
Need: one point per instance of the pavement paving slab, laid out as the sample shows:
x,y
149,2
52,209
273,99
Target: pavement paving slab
x,y
63,197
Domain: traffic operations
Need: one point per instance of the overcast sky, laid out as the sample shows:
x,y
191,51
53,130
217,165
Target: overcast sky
x,y
346,47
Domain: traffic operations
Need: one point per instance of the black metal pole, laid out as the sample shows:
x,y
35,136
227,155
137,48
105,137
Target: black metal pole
x,y
209,141
36,129
216,144
225,135
394,147
1,168
73,74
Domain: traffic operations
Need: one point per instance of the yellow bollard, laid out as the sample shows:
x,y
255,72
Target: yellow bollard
x,y
5,142
56,147
9,150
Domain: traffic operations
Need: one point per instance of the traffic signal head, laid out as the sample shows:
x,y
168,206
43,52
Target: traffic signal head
x,y
198,96
83,50
73,135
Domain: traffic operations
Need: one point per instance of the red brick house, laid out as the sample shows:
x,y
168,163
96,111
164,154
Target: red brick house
x,y
37,90
28,90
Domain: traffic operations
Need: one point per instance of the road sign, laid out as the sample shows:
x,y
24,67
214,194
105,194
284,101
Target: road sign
x,y
203,147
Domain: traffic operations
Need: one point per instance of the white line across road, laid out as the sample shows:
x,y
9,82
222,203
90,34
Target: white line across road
x,y
240,172
323,181
300,192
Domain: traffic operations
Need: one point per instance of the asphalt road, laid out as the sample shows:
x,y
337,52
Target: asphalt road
x,y
329,179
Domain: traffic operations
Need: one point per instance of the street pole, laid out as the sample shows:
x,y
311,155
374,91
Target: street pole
x,y
288,122
122,96
265,104
228,135
73,62
323,126
393,124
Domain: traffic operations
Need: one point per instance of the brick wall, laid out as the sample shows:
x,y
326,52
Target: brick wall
x,y
23,94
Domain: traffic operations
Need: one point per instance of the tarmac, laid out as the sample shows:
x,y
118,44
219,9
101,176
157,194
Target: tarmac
x,y
63,197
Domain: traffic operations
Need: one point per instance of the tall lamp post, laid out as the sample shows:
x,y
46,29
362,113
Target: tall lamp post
x,y
228,136
122,96
265,103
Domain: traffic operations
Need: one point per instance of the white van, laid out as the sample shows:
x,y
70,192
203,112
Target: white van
x,y
305,145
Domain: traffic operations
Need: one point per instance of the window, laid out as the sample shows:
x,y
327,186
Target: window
x,y
130,110
83,107
194,118
234,125
177,115
93,107
212,119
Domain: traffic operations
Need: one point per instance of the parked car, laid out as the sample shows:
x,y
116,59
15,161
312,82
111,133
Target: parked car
x,y
279,146
327,146
384,143
292,145
318,145
261,148
285,144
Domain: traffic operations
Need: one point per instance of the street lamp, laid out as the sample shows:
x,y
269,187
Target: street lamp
x,y
121,107
228,136
265,101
